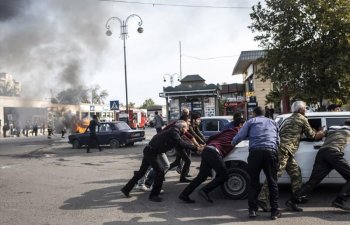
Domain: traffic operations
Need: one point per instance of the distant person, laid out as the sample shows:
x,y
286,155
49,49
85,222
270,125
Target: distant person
x,y
185,111
272,112
93,137
231,125
329,157
267,112
49,131
334,108
35,130
63,132
5,128
158,122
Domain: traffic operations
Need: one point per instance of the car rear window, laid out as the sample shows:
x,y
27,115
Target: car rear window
x,y
212,125
122,126
336,121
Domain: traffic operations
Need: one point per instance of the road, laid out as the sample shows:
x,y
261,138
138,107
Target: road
x,y
46,182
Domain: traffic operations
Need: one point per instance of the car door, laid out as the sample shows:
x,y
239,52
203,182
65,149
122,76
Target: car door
x,y
334,176
104,133
210,127
307,150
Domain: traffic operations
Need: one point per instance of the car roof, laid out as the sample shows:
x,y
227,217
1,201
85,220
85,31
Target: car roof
x,y
217,117
320,114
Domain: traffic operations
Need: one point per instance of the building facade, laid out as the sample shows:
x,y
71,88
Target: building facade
x,y
192,93
233,98
256,90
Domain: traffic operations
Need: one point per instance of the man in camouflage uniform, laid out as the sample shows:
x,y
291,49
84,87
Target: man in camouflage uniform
x,y
290,133
329,157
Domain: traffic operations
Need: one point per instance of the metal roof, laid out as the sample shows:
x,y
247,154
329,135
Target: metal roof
x,y
245,59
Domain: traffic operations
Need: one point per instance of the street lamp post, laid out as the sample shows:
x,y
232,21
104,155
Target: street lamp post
x,y
171,76
124,36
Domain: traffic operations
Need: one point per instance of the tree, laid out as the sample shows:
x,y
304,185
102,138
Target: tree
x,y
147,103
307,46
73,96
131,105
98,97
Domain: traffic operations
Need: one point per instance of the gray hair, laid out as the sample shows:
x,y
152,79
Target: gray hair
x,y
296,106
180,124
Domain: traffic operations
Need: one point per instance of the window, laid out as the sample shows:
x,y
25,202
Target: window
x,y
212,125
335,121
316,124
105,127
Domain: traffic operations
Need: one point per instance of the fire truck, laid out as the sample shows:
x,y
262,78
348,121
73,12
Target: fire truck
x,y
137,118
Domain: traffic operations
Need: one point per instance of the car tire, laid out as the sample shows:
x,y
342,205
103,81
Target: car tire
x,y
130,144
237,185
76,144
114,143
171,152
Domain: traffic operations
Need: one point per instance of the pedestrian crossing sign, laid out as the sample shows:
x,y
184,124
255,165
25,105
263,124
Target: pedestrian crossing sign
x,y
114,105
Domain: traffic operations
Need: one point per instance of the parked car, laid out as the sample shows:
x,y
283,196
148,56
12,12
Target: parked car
x,y
213,125
114,134
209,126
237,185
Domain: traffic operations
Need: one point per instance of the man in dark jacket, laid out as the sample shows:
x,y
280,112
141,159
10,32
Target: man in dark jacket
x,y
93,137
218,146
330,156
160,143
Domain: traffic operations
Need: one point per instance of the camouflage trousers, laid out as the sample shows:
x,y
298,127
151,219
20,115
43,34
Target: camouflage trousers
x,y
288,163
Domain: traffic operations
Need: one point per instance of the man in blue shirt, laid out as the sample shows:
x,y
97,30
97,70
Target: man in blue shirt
x,y
263,144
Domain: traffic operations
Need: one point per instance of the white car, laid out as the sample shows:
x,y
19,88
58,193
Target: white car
x,y
237,185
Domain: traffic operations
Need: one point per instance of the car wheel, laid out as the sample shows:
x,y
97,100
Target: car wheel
x,y
114,143
171,152
76,144
130,144
236,187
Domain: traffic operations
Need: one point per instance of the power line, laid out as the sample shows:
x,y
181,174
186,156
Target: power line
x,y
178,5
210,58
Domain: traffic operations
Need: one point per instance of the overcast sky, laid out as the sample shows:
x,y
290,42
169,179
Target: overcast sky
x,y
57,44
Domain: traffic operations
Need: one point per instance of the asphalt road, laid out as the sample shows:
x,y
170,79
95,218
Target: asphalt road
x,y
46,182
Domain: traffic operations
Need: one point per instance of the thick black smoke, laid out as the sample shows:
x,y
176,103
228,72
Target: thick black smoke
x,y
11,8
52,44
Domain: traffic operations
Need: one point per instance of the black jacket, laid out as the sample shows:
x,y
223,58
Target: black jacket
x,y
169,139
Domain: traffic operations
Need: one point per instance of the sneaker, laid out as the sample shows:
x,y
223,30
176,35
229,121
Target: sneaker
x,y
186,199
263,205
252,213
185,180
178,170
142,187
205,196
155,198
123,190
340,204
293,206
275,215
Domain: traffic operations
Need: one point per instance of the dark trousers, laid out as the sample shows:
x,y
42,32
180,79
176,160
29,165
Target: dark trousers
x,y
184,155
326,160
93,138
210,160
149,159
266,160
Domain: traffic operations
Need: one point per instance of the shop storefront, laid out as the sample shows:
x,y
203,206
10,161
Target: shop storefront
x,y
193,93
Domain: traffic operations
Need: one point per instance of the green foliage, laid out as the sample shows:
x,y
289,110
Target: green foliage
x,y
307,46
147,103
81,94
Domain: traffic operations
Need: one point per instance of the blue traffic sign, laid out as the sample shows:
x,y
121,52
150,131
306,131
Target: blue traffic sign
x,y
114,105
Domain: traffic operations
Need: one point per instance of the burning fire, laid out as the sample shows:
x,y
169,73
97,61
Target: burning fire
x,y
80,126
